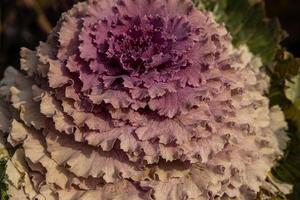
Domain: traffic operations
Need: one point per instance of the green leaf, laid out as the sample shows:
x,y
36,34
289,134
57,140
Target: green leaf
x,y
283,72
286,65
285,91
292,91
3,186
288,170
247,23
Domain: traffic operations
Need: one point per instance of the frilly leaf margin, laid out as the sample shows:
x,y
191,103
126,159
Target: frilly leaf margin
x,y
248,24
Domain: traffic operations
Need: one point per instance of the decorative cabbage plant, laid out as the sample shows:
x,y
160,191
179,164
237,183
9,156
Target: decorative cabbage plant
x,y
145,99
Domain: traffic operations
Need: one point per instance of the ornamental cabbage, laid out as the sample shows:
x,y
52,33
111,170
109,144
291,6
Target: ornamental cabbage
x,y
139,99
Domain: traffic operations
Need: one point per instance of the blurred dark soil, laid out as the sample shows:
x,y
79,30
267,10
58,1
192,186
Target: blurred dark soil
x,y
26,22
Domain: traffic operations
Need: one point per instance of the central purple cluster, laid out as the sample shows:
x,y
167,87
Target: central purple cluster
x,y
141,59
137,46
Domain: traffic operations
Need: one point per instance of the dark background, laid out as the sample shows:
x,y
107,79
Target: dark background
x,y
26,22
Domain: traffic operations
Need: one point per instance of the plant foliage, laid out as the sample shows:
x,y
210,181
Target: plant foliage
x,y
248,25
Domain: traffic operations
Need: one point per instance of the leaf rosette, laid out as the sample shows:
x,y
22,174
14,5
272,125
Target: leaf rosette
x,y
139,99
